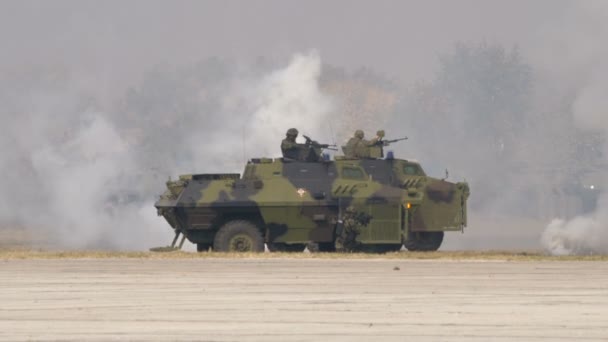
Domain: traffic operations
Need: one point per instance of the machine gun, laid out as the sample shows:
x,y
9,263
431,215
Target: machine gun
x,y
376,150
315,144
381,142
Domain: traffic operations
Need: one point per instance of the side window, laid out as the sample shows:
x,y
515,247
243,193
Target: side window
x,y
410,170
353,173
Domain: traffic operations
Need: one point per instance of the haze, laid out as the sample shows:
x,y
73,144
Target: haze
x,y
102,100
115,41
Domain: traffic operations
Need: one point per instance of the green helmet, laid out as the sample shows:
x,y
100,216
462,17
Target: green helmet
x,y
292,132
380,133
359,134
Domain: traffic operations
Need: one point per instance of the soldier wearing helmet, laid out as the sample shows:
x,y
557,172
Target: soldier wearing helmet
x,y
377,140
375,146
356,146
290,148
292,132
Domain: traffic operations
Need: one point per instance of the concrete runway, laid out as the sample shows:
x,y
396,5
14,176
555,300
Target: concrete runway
x,y
302,300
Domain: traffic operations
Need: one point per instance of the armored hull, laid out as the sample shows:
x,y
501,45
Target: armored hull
x,y
369,204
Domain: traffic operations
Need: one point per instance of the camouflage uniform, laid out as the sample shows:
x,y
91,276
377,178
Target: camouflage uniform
x,y
375,146
356,146
378,138
291,149
352,222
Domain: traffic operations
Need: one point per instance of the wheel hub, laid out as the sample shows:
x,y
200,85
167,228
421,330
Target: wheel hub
x,y
241,243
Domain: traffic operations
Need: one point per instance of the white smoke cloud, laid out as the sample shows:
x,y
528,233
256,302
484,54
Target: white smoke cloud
x,y
582,235
75,177
257,111
591,106
582,67
85,179
79,193
290,97
87,191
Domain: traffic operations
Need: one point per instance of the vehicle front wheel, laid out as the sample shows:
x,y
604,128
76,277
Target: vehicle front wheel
x,y
239,236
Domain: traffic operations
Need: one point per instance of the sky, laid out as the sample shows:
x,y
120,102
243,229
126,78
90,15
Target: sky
x,y
114,41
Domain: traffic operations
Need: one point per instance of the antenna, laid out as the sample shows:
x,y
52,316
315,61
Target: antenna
x,y
447,174
244,150
331,131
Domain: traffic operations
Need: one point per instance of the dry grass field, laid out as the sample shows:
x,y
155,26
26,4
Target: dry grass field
x,y
22,253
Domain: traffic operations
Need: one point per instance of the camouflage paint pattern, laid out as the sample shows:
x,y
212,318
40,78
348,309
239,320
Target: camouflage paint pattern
x,y
298,202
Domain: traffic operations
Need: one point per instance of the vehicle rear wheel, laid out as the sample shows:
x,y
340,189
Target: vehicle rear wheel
x,y
239,236
286,247
327,247
315,247
423,241
203,247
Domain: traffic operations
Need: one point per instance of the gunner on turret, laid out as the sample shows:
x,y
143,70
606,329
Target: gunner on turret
x,y
290,148
359,148
309,152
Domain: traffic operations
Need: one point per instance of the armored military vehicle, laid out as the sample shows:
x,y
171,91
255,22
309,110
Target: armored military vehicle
x,y
355,204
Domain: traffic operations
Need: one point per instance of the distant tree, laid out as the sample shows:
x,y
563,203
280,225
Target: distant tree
x,y
170,107
480,98
472,117
485,116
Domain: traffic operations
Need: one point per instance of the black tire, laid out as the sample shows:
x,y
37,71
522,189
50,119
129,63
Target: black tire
x,y
286,247
380,248
424,241
239,236
203,247
327,247
315,247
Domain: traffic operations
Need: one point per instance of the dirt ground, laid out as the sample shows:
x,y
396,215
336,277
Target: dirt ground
x,y
260,299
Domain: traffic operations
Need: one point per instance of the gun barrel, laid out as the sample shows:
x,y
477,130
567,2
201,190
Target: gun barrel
x,y
394,140
315,143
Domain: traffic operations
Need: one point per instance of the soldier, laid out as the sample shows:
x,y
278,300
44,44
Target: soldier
x,y
310,152
346,241
289,146
375,146
377,139
357,147
354,145
352,223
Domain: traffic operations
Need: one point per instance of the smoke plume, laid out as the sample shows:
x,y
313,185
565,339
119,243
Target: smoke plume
x,y
584,68
81,176
101,103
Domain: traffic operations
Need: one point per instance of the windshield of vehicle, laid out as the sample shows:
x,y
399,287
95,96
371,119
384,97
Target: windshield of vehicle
x,y
353,173
412,170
